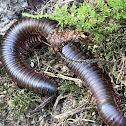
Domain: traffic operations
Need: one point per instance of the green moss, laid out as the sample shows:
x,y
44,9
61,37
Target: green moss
x,y
95,18
23,100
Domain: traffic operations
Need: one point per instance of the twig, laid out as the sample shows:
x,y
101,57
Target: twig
x,y
63,77
67,1
60,75
37,59
77,120
71,112
44,102
86,60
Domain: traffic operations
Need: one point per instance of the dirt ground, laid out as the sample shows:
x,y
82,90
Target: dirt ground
x,y
65,108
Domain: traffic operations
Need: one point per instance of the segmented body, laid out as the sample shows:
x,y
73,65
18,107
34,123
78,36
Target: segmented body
x,y
97,84
16,42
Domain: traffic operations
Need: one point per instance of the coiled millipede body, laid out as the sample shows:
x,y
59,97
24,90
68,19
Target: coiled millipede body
x,y
15,44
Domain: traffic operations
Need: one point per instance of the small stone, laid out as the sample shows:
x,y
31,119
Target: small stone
x,y
32,64
4,92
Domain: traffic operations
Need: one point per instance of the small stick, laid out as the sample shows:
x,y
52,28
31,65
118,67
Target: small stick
x,y
86,61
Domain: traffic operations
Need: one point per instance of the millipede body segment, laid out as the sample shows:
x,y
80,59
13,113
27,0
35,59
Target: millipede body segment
x,y
97,84
23,34
15,44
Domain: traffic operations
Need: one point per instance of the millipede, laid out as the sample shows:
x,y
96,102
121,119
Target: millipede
x,y
23,34
16,42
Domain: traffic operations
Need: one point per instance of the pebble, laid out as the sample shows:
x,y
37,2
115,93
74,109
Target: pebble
x,y
32,64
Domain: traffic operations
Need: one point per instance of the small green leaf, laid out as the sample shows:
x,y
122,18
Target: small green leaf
x,y
64,10
94,50
93,13
57,11
69,86
117,16
101,19
108,55
101,3
82,10
73,9
93,20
